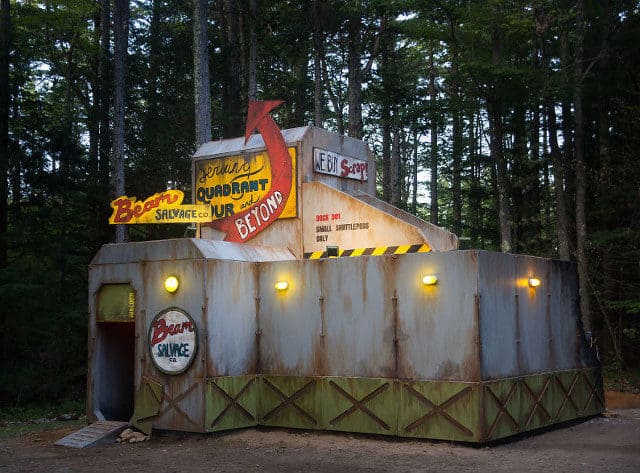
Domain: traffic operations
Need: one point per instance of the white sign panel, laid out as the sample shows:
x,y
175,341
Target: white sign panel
x,y
327,162
173,341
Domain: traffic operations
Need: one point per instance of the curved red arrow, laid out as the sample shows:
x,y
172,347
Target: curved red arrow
x,y
248,223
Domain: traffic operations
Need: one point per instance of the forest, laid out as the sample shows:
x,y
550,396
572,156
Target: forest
x,y
514,124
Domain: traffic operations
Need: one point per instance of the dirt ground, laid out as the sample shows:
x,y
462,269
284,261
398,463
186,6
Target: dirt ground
x,y
595,445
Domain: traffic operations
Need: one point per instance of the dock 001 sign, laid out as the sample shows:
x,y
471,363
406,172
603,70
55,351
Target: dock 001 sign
x,y
233,184
173,341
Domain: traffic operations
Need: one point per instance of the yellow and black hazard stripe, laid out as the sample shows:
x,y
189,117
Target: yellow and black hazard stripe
x,y
376,251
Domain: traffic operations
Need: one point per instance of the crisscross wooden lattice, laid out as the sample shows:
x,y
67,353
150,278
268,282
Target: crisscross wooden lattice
x,y
502,404
174,404
359,404
436,410
537,397
290,401
233,402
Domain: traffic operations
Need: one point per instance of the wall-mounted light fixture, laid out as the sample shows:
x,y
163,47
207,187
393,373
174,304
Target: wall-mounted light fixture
x,y
281,286
171,284
534,282
429,279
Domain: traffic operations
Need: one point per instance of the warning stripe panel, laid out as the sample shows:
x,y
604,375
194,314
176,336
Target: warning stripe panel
x,y
375,251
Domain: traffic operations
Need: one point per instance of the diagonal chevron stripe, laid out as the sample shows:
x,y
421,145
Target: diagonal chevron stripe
x,y
375,251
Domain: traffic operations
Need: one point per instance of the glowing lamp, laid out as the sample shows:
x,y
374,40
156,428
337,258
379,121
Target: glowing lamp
x,y
171,284
430,280
534,282
281,286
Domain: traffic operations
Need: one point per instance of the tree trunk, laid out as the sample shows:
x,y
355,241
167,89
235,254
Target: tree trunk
x,y
495,109
475,194
104,93
562,215
581,216
456,159
121,35
253,50
231,100
354,87
317,65
202,94
5,48
396,180
414,174
433,118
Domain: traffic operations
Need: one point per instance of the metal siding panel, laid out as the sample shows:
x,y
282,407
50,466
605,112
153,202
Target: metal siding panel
x,y
565,336
183,407
498,323
534,351
231,318
358,316
290,321
437,328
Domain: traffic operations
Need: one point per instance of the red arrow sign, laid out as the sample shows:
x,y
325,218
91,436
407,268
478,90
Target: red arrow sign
x,y
245,225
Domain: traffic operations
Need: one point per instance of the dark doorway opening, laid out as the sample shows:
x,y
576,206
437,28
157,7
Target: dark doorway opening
x,y
115,370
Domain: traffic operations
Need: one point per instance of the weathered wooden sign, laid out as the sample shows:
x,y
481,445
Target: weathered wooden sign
x,y
327,162
162,207
233,184
269,176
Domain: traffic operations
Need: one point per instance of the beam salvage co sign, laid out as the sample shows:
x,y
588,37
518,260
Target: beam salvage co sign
x,y
162,207
173,341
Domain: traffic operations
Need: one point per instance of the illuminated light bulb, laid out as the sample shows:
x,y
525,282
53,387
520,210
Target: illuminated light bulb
x,y
430,280
281,286
171,284
534,282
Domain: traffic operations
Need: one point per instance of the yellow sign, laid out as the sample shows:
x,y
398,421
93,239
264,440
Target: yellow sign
x,y
163,207
235,183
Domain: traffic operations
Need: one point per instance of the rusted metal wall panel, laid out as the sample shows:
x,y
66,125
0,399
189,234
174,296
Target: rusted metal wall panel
x,y
335,319
437,326
290,322
533,315
567,340
525,330
358,317
231,294
499,330
183,406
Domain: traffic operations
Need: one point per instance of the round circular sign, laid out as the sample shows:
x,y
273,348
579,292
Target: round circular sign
x,y
173,341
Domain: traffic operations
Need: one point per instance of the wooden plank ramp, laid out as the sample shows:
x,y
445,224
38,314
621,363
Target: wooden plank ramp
x,y
99,433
